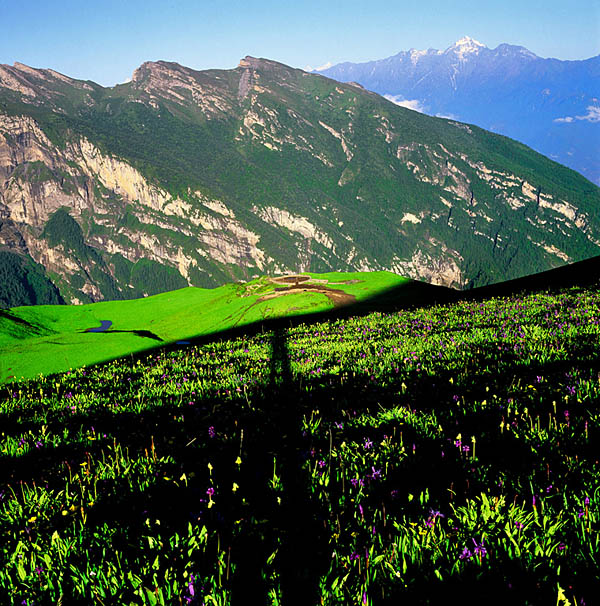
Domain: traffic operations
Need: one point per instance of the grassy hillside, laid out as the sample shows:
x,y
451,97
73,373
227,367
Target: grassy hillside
x,y
428,456
47,339
51,338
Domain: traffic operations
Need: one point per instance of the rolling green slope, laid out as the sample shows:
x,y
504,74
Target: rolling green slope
x,y
46,339
51,338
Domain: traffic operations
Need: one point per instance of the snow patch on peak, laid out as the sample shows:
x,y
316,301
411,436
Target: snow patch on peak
x,y
511,49
466,46
415,55
468,41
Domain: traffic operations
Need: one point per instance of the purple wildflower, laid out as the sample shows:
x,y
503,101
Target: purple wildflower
x,y
479,549
466,554
433,515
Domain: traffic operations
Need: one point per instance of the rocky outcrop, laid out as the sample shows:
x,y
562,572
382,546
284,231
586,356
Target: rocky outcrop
x,y
167,81
90,183
433,262
301,225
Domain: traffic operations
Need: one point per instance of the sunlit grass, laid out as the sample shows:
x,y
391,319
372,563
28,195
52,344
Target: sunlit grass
x,y
47,339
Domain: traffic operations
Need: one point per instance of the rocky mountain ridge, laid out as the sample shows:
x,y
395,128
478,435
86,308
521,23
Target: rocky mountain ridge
x,y
200,177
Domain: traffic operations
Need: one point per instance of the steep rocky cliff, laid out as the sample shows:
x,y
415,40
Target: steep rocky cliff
x,y
184,177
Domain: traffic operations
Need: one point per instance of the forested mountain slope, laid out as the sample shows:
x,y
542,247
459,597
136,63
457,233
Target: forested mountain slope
x,y
185,177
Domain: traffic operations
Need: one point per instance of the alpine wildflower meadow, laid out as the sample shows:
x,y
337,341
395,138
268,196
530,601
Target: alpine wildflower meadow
x,y
443,453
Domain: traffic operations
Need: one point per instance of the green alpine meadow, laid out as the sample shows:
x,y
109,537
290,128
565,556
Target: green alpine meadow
x,y
389,450
46,339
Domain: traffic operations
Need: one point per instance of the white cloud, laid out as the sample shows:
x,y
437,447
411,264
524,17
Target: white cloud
x,y
324,66
447,116
310,68
593,115
413,104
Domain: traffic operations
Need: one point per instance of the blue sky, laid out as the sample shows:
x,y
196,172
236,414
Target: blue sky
x,y
105,40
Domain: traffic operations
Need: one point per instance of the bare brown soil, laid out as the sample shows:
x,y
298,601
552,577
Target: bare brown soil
x,y
338,297
291,279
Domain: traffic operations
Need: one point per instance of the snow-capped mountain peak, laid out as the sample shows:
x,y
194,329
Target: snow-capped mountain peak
x,y
545,103
466,46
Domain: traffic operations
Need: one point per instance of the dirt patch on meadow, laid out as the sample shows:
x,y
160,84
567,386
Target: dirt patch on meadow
x,y
290,279
338,297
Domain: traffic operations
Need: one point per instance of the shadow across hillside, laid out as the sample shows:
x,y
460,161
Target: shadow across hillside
x,y
406,296
413,295
403,297
581,274
145,334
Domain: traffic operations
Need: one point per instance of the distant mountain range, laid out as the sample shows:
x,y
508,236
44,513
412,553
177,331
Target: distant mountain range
x,y
203,177
551,105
